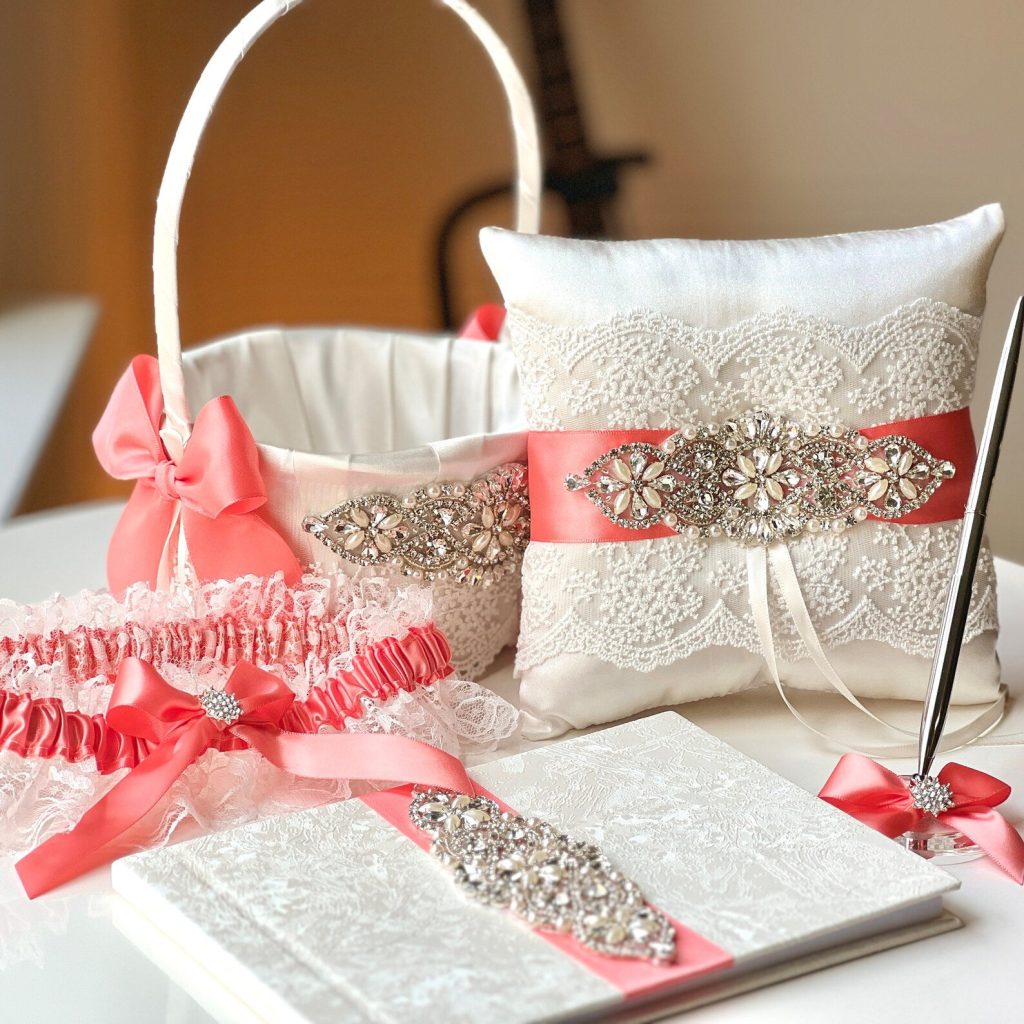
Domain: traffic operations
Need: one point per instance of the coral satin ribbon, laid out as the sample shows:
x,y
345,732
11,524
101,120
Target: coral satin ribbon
x,y
485,323
206,499
567,517
696,956
143,704
880,798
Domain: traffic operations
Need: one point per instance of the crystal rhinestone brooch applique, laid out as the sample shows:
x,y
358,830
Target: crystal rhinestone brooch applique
x,y
472,533
930,795
541,875
758,477
220,705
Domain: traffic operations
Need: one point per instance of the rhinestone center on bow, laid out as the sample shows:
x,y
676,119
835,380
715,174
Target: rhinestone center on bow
x,y
758,477
221,705
930,795
541,875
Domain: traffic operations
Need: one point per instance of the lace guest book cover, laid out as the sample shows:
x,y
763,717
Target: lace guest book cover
x,y
334,914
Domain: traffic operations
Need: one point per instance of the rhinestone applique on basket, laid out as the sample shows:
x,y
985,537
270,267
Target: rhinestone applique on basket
x,y
757,477
542,875
473,533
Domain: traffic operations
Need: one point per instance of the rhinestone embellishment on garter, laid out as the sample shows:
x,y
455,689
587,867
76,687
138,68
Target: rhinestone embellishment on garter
x,y
221,705
757,477
473,533
930,795
541,875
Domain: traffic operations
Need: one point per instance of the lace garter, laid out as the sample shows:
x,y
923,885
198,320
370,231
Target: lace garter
x,y
360,656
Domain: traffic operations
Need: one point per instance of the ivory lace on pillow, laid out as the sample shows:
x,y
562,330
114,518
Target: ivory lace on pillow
x,y
359,655
702,411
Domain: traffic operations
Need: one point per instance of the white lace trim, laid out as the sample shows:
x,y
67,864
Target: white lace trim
x,y
640,605
479,622
644,369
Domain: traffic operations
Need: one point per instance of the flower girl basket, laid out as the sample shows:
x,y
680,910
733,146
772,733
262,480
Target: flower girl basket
x,y
446,501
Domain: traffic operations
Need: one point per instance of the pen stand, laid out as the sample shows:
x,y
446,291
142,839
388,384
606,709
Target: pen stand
x,y
935,840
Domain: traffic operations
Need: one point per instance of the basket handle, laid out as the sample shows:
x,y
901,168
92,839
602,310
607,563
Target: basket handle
x,y
177,423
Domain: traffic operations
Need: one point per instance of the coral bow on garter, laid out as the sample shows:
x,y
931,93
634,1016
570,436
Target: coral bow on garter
x,y
881,799
246,713
208,497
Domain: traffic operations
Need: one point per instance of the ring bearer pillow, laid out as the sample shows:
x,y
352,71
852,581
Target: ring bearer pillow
x,y
380,452
746,456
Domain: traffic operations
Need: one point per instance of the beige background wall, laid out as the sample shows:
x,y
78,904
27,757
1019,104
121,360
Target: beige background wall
x,y
352,125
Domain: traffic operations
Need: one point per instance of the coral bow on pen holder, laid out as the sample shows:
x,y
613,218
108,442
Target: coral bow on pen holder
x,y
952,815
958,808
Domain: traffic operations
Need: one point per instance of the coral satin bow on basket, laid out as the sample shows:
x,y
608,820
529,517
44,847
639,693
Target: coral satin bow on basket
x,y
204,501
181,727
884,801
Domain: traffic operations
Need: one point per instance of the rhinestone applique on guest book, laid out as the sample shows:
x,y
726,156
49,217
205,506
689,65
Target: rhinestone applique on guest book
x,y
542,875
758,878
757,477
472,533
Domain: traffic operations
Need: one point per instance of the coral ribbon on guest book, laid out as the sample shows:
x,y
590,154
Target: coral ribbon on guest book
x,y
694,956
206,499
182,727
759,480
882,800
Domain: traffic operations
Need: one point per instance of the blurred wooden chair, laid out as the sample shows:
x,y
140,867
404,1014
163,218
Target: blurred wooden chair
x,y
41,345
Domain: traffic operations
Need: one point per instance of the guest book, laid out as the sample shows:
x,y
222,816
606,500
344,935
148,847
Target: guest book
x,y
339,913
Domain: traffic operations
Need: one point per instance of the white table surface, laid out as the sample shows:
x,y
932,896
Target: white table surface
x,y
66,963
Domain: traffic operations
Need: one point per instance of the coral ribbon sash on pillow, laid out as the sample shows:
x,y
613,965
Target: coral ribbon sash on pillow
x,y
181,729
563,517
567,517
206,501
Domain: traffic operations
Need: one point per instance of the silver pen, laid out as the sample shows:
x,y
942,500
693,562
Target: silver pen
x,y
958,601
